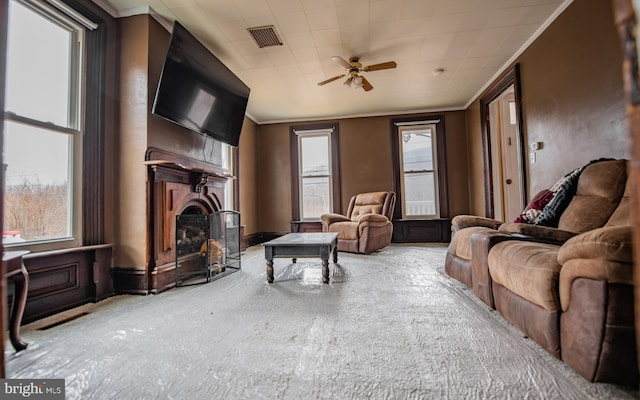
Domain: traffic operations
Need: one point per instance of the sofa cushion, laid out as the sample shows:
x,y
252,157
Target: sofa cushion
x,y
600,187
346,230
461,242
528,269
368,203
622,215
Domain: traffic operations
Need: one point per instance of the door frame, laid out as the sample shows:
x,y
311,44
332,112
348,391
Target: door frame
x,y
510,77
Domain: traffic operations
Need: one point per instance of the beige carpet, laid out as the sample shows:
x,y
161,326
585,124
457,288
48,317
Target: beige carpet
x,y
390,325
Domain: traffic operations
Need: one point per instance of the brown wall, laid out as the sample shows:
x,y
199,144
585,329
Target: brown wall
x,y
248,177
365,165
458,175
130,215
274,178
161,133
143,45
475,162
571,95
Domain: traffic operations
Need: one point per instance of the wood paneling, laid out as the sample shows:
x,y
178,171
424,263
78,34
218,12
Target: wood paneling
x,y
172,184
421,231
306,226
63,279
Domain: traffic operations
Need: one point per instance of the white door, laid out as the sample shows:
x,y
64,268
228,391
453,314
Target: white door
x,y
504,156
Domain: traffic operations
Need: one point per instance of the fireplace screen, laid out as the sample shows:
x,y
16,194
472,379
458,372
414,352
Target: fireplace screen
x,y
207,245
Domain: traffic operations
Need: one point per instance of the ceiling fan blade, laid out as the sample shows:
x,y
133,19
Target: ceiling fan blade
x,y
366,85
385,65
330,80
341,61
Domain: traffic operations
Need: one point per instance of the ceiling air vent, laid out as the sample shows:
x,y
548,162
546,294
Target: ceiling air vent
x,y
265,36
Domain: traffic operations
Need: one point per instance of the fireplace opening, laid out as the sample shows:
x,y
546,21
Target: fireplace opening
x,y
192,230
207,245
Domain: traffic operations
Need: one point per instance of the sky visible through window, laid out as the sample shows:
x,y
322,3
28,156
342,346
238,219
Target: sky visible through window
x,y
38,58
40,126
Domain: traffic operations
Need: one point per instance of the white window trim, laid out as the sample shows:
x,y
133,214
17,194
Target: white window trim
x,y
417,125
78,61
300,134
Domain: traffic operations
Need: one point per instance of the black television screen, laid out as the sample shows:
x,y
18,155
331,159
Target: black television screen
x,y
197,91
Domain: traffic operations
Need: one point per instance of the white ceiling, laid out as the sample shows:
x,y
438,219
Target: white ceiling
x,y
472,40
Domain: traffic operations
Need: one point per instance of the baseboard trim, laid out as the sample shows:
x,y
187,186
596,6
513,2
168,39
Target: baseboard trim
x,y
261,237
130,281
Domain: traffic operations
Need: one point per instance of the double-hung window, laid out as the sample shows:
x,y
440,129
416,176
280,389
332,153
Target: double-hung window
x,y
43,127
228,163
418,170
315,172
314,155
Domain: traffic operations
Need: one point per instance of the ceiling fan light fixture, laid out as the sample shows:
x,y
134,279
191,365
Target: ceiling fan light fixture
x,y
357,82
353,68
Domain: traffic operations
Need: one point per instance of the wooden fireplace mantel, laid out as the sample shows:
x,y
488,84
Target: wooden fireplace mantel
x,y
175,182
157,157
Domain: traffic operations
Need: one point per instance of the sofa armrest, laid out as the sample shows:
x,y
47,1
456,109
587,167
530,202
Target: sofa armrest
x,y
372,221
603,254
464,221
481,243
610,243
372,218
330,218
544,234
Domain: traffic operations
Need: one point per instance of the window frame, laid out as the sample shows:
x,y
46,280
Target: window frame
x,y
230,165
98,102
434,168
74,128
442,195
295,133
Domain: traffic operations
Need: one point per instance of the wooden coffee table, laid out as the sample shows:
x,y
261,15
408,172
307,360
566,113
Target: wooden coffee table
x,y
302,245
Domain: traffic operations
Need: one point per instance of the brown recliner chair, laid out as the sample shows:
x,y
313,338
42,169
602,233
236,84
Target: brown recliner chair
x,y
367,226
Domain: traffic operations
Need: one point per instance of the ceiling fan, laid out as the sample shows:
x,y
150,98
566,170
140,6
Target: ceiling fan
x,y
354,67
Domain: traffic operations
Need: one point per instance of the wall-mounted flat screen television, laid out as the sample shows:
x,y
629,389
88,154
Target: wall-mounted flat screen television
x,y
198,92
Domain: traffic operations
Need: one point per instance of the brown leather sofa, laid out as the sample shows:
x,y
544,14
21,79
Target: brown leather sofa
x,y
570,289
367,226
458,258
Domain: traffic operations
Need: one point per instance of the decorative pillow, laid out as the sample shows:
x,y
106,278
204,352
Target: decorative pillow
x,y
546,208
532,212
563,191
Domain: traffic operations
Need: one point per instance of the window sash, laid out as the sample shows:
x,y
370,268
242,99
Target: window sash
x,y
73,237
301,136
419,208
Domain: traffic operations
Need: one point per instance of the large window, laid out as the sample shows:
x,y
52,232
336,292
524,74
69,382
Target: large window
x,y
316,179
43,127
229,164
315,174
419,179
